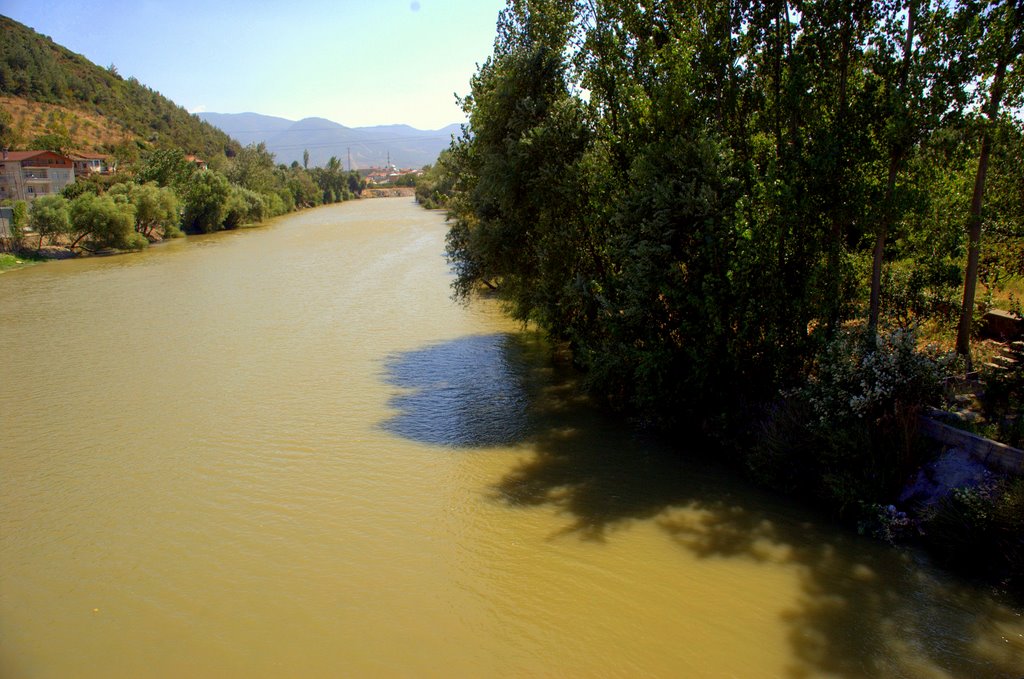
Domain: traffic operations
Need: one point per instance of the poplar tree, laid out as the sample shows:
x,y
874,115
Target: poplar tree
x,y
1000,27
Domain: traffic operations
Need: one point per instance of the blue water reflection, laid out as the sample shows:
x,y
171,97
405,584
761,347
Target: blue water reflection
x,y
466,392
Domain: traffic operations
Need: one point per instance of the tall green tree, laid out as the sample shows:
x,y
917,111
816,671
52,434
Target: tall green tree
x,y
157,209
1000,26
525,135
49,217
901,129
205,201
693,224
167,167
253,168
244,206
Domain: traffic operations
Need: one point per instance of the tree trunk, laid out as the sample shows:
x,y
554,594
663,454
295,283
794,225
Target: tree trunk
x,y
75,242
963,335
879,253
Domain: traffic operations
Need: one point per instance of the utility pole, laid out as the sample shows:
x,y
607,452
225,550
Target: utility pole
x,y
349,158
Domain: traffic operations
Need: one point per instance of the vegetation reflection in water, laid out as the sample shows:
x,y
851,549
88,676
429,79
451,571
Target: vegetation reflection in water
x,y
864,610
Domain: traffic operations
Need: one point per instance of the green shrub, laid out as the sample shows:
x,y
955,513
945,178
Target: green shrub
x,y
982,526
1003,401
914,292
244,207
78,187
50,216
20,217
885,522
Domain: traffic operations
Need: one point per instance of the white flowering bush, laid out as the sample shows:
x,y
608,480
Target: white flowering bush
x,y
854,381
849,434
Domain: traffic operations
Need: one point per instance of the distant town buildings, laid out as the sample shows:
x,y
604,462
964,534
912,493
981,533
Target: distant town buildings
x,y
388,174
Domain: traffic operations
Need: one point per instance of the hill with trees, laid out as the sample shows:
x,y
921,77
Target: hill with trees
x,y
56,100
52,93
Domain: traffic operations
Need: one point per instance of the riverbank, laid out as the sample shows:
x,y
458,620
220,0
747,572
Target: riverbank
x,y
59,248
11,261
392,192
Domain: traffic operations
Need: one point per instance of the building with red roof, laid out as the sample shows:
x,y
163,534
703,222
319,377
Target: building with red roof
x,y
89,163
26,175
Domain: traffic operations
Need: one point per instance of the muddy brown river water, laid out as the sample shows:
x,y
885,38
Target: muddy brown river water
x,y
285,452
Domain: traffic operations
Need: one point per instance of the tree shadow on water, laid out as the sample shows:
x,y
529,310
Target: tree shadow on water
x,y
863,609
465,393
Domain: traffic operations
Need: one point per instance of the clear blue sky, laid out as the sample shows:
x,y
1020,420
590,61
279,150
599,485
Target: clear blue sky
x,y
358,63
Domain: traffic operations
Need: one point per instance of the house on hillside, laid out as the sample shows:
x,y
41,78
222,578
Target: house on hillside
x,y
198,162
26,175
89,163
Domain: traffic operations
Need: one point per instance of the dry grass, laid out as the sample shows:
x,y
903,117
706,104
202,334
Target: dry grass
x,y
1008,292
89,132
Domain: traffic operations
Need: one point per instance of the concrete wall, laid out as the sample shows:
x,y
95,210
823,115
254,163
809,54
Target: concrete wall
x,y
994,455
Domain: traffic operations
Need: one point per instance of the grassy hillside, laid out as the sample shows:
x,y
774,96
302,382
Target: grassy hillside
x,y
47,89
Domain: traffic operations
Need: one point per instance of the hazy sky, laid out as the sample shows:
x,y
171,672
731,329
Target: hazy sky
x,y
356,62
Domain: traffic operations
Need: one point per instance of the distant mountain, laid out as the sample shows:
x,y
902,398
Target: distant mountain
x,y
47,89
247,128
370,146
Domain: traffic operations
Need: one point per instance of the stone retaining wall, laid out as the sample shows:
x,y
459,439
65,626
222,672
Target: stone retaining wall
x,y
994,455
1001,325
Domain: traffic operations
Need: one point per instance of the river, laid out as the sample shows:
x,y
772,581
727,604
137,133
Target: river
x,y
285,452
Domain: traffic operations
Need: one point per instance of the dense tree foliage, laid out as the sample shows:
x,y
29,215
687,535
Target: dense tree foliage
x,y
206,202
997,56
157,209
171,194
435,184
250,188
335,184
737,214
697,197
104,222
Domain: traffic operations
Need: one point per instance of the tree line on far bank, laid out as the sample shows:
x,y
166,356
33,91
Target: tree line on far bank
x,y
168,195
736,212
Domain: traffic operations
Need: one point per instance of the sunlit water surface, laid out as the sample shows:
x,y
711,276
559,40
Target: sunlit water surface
x,y
285,452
